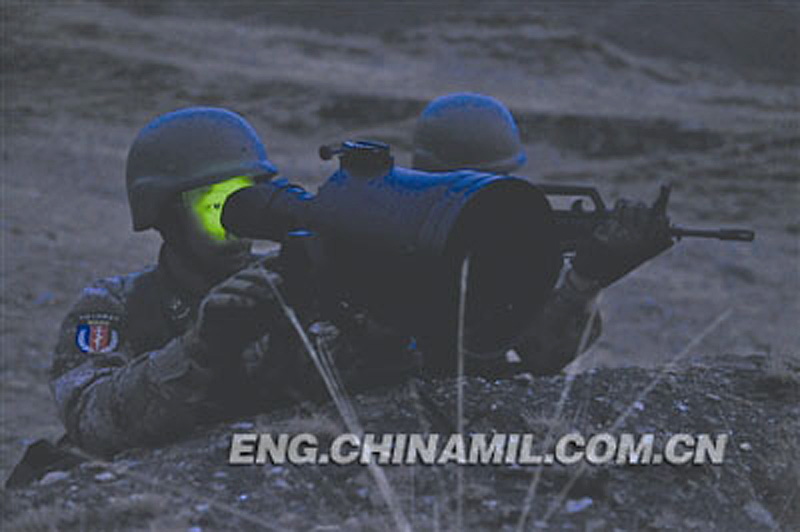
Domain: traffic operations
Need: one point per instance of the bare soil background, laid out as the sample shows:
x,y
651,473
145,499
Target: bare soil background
x,y
621,96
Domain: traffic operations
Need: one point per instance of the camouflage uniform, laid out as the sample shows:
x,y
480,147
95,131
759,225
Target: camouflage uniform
x,y
122,375
554,338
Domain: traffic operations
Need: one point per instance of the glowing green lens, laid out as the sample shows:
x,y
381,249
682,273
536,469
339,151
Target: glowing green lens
x,y
206,204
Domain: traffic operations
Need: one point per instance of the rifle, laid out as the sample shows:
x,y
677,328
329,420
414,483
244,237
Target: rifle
x,y
578,222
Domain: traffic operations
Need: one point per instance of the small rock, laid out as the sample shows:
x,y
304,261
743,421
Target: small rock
x,y
745,446
105,476
523,378
220,474
683,407
52,477
638,405
94,465
243,425
596,524
202,508
243,497
756,511
43,298
126,464
577,505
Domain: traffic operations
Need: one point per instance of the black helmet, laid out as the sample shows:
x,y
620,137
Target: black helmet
x,y
185,149
466,130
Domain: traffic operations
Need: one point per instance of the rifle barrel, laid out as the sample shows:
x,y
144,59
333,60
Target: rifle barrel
x,y
742,235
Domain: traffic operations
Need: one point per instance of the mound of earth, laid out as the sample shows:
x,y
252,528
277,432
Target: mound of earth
x,y
190,484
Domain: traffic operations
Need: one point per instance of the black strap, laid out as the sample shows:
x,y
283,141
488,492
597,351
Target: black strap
x,y
40,458
150,323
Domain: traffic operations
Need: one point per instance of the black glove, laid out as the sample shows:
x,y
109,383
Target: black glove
x,y
634,234
235,313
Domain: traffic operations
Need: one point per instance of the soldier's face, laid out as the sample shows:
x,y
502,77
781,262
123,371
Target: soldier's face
x,y
203,230
205,207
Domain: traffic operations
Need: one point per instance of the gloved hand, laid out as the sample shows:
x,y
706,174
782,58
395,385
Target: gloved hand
x,y
634,234
235,313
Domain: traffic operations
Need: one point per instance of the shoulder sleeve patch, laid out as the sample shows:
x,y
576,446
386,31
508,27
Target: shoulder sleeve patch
x,y
97,333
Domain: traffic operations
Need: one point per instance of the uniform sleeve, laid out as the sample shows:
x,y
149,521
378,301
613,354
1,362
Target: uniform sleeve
x,y
555,336
110,398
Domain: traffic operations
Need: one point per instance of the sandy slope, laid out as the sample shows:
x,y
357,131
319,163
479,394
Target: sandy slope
x,y
596,105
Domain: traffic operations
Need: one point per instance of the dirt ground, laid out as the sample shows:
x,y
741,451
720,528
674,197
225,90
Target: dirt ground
x,y
189,484
623,97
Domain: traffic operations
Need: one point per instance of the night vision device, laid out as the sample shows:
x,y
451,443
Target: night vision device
x,y
394,241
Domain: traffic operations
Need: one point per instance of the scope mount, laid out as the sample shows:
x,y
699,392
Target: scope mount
x,y
360,157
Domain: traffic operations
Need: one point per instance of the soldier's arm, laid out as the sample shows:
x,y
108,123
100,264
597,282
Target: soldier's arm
x,y
110,398
555,336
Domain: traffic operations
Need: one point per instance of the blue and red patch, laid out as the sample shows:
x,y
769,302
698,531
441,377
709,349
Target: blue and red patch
x,y
96,335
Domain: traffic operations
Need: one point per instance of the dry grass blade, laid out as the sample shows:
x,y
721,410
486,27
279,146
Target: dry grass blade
x,y
428,427
327,370
530,496
462,305
629,410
